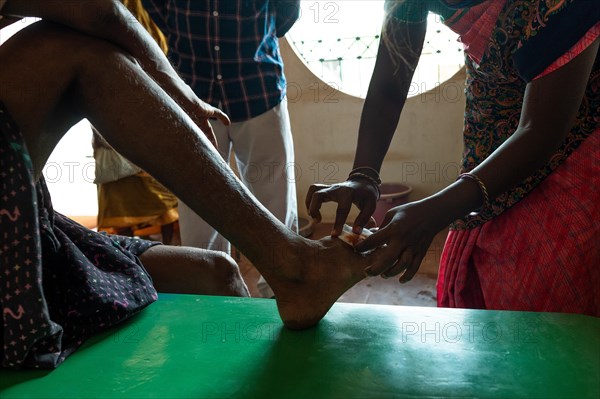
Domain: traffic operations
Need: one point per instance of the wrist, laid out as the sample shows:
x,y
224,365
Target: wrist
x,y
367,174
369,171
455,201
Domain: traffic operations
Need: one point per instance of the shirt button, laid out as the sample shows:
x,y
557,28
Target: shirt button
x,y
215,13
219,76
217,48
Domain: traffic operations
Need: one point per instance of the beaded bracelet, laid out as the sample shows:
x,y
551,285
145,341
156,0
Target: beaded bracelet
x,y
482,188
369,178
367,168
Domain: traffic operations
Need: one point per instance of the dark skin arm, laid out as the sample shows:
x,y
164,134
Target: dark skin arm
x,y
385,100
545,122
407,231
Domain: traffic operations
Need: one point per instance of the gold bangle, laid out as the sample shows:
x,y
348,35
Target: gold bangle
x,y
482,188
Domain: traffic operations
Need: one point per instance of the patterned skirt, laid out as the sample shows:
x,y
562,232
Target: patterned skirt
x,y
59,282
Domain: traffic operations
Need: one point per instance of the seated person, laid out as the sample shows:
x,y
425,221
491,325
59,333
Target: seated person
x,y
59,282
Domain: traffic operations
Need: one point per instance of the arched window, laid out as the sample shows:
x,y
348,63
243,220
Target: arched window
x,y
338,40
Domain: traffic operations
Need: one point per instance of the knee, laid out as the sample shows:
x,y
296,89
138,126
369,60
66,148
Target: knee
x,y
227,275
51,43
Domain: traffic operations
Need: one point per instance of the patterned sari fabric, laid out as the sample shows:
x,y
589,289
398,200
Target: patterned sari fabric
x,y
59,282
542,254
536,246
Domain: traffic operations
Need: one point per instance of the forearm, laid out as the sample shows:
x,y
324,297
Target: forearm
x,y
387,93
519,157
378,122
546,119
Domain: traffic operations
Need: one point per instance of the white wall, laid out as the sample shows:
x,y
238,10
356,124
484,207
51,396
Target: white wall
x,y
425,152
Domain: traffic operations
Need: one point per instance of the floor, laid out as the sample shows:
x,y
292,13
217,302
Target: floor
x,y
420,291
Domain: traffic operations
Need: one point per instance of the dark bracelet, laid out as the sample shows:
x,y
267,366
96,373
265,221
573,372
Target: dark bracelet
x,y
369,179
373,173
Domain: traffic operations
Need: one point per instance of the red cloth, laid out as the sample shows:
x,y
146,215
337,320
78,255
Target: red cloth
x,y
587,40
543,254
475,26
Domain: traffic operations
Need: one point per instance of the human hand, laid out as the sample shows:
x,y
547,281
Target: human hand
x,y
201,113
403,240
360,192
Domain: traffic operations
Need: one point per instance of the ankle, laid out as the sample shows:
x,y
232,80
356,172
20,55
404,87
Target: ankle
x,y
285,259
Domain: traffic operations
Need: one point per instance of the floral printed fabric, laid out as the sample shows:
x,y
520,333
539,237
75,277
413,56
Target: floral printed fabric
x,y
495,88
59,282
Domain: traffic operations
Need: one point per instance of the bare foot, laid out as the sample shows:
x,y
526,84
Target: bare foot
x,y
308,280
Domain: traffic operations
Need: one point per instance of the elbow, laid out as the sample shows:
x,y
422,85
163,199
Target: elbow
x,y
287,14
289,10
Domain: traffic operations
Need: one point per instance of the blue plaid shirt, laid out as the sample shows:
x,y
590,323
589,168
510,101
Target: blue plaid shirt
x,y
228,50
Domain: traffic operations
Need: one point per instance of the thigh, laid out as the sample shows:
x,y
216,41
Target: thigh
x,y
39,65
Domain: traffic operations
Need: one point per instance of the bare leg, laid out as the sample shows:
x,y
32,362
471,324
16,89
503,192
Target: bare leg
x,y
187,270
76,76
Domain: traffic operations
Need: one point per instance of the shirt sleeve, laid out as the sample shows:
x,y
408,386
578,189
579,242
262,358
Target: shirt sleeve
x,y
286,14
551,33
587,40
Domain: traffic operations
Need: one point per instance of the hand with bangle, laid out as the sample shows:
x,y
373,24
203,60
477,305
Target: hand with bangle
x,y
368,173
407,230
361,189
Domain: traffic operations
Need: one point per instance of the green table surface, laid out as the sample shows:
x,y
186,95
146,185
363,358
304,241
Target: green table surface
x,y
187,346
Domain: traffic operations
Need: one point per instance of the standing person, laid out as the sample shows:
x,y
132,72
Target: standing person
x,y
130,201
60,282
228,51
524,214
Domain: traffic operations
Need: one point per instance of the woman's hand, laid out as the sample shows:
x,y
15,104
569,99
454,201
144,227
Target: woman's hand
x,y
360,192
402,241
